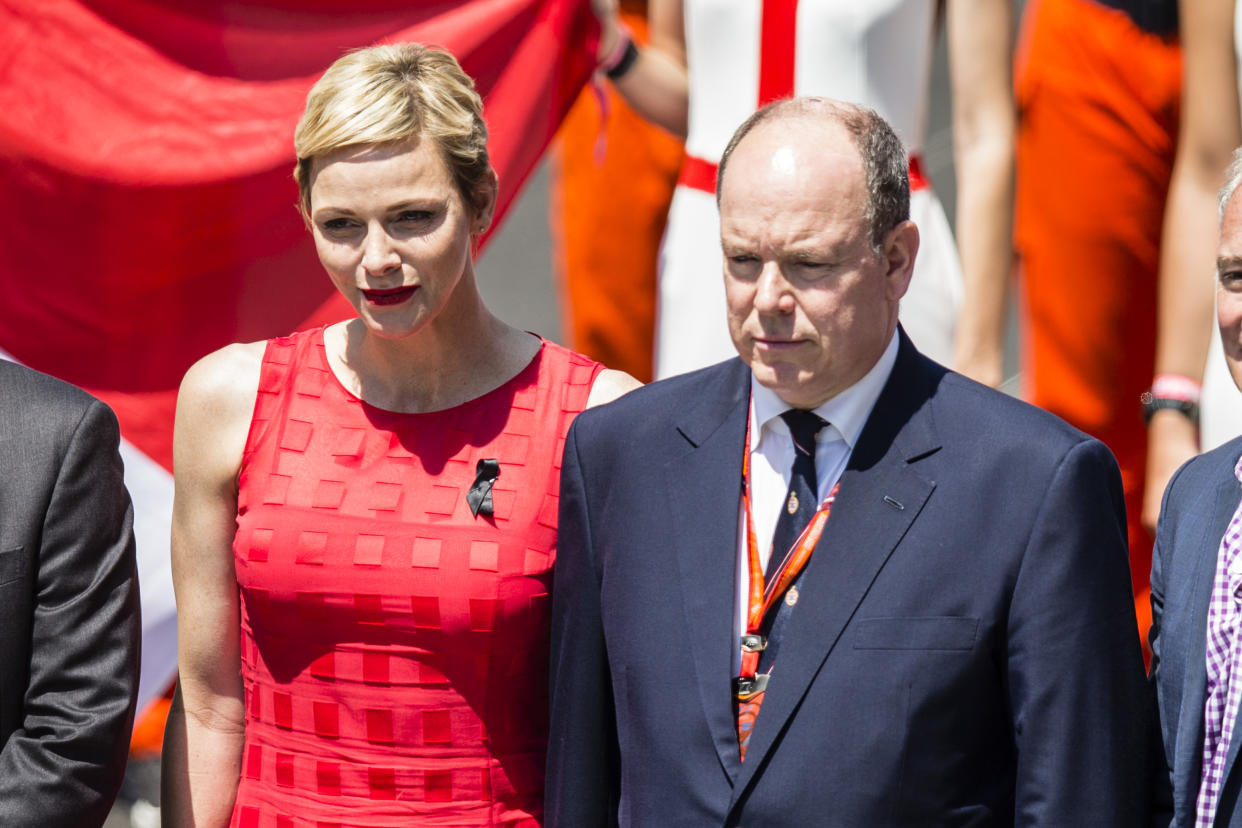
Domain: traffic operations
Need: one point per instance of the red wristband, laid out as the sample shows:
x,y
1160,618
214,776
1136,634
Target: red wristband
x,y
1176,387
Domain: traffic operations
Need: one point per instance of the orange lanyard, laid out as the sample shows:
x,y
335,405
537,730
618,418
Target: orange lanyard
x,y
762,597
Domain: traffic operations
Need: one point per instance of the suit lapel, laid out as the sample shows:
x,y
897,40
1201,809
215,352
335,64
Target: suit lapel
x,y
704,487
858,539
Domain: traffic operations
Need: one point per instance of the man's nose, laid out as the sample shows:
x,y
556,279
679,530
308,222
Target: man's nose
x,y
772,290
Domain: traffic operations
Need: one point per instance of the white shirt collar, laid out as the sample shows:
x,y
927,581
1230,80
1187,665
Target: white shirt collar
x,y
847,412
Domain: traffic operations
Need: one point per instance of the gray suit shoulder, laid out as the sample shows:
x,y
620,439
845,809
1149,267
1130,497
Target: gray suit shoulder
x,y
25,387
31,400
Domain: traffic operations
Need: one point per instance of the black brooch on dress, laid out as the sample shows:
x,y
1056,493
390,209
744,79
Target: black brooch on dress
x,y
480,495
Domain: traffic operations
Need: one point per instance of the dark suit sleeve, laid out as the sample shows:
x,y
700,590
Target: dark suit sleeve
x,y
1077,690
1162,781
582,773
63,765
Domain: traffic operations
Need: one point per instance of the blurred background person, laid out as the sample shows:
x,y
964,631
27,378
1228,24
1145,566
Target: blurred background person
x,y
612,175
364,523
1098,90
1185,417
709,64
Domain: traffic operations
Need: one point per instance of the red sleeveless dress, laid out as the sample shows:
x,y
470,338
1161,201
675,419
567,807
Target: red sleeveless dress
x,y
393,645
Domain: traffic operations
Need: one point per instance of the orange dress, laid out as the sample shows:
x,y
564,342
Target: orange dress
x,y
1099,101
612,180
393,644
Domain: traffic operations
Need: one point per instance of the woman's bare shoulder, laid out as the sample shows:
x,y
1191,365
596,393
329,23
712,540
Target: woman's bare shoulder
x,y
215,405
609,385
224,378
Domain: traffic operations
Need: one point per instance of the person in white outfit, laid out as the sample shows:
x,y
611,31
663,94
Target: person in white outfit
x,y
710,63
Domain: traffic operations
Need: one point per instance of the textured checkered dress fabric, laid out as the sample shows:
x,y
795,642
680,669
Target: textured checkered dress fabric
x,y
394,646
1224,665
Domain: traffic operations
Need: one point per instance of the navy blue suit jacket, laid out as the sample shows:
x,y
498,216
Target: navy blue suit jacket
x,y
964,651
1198,504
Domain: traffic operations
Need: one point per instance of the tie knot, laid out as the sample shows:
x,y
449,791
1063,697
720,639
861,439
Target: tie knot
x,y
803,425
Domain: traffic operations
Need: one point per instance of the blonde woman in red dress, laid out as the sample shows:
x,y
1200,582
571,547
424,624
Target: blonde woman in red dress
x,y
365,514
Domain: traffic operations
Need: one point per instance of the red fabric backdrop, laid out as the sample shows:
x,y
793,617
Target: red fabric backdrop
x,y
146,206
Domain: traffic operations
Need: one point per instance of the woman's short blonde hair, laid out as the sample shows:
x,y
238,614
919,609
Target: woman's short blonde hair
x,y
391,94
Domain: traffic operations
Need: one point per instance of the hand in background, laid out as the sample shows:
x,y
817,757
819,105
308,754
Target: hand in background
x,y
983,363
608,13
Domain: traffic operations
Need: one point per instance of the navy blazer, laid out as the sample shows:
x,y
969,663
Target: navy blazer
x,y
1198,503
964,651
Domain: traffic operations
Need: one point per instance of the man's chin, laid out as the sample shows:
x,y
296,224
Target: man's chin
x,y
1235,369
773,374
785,381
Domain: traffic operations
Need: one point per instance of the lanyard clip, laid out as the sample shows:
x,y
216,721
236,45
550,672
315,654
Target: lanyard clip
x,y
744,687
754,643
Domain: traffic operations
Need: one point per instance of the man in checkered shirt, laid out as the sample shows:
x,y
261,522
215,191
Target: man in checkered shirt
x,y
1196,589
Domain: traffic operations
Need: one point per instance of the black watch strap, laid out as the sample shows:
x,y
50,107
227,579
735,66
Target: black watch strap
x,y
1152,404
626,63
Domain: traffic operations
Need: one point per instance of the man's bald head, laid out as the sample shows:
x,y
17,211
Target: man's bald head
x,y
882,155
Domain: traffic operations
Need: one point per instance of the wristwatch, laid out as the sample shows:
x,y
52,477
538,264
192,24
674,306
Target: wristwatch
x,y
1151,404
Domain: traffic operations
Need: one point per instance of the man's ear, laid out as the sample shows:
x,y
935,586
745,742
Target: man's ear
x,y
901,246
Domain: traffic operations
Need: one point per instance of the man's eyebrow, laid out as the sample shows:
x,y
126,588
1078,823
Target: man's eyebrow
x,y
1226,262
735,243
806,257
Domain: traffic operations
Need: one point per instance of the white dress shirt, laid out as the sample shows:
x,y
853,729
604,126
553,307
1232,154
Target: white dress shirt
x,y
771,461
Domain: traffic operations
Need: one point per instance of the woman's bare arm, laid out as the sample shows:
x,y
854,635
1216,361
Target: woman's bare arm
x,y
203,738
656,86
1210,128
980,35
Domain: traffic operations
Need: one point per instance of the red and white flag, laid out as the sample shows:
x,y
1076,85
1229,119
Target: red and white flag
x,y
147,206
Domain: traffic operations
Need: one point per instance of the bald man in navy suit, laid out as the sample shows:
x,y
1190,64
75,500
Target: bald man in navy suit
x,y
960,646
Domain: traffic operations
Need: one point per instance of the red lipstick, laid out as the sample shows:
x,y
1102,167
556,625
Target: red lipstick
x,y
389,296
